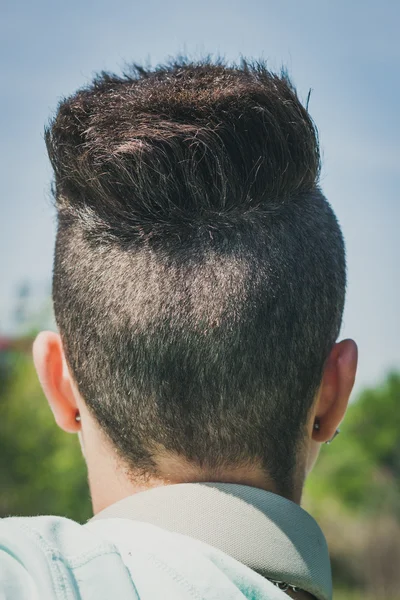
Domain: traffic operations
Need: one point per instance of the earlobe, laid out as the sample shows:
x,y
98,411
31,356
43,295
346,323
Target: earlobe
x,y
48,356
335,390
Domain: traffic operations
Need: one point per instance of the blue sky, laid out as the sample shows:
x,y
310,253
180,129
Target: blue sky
x,y
347,52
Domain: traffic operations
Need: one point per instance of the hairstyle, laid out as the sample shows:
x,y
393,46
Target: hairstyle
x,y
199,272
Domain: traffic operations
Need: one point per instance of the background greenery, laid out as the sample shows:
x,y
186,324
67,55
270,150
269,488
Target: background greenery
x,y
354,491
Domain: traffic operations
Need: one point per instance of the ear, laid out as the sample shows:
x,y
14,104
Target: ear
x,y
54,377
337,384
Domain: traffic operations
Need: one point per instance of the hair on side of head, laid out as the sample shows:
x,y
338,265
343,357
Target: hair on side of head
x,y
199,272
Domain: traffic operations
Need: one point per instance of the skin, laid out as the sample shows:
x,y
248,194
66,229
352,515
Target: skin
x,y
110,480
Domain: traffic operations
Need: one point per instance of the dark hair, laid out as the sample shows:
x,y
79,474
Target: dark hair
x,y
199,273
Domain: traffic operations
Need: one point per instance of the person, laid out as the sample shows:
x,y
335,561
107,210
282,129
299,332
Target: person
x,y
198,286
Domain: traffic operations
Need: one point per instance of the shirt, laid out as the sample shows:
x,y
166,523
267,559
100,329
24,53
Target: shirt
x,y
185,541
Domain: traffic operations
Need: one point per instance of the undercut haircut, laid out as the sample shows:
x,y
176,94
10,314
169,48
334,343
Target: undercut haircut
x,y
199,272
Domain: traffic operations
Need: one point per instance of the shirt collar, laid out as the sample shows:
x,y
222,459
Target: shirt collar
x,y
262,530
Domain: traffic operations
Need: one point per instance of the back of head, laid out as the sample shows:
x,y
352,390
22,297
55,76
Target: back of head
x,y
199,271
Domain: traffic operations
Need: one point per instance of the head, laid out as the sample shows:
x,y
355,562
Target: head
x,y
199,279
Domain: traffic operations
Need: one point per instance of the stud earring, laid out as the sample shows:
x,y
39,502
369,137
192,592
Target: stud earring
x,y
317,426
77,417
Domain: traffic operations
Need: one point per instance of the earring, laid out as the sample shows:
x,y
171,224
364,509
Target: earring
x,y
317,427
334,435
77,417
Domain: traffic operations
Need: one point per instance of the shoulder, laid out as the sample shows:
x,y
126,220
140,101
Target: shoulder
x,y
50,536
56,558
50,555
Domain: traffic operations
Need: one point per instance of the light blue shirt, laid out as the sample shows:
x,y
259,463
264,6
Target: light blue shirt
x,y
224,530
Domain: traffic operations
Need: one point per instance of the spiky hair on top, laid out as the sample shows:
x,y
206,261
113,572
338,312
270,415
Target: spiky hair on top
x,y
167,147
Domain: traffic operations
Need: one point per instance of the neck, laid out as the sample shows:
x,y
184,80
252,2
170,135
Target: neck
x,y
111,480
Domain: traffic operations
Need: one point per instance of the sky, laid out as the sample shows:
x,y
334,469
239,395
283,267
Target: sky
x,y
348,53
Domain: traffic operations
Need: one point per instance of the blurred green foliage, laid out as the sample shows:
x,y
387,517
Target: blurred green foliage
x,y
361,469
41,468
354,491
